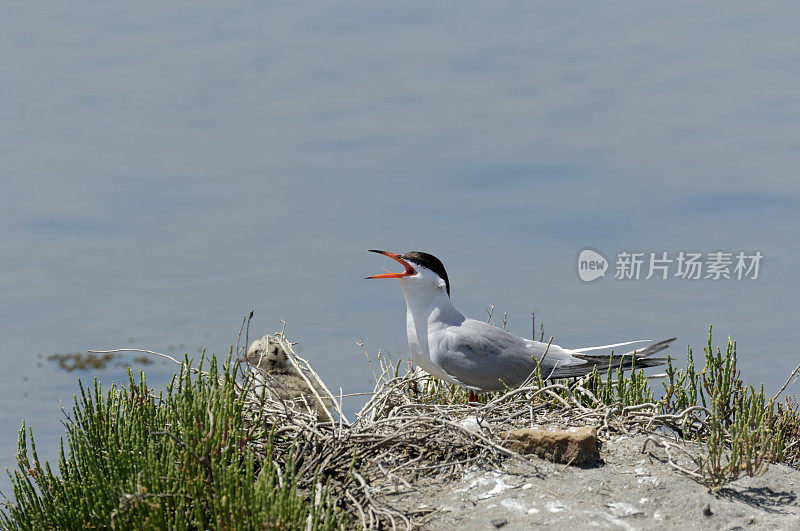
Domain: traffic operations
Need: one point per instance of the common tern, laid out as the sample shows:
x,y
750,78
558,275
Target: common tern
x,y
478,355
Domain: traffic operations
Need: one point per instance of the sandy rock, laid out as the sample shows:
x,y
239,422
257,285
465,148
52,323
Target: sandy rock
x,y
474,424
577,446
607,495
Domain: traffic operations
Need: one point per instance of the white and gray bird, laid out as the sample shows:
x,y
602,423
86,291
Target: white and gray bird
x,y
480,356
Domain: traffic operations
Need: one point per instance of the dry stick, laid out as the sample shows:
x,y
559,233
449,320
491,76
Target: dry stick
x,y
247,332
291,357
379,395
483,439
585,392
360,343
239,336
442,465
667,446
568,464
350,395
341,417
637,407
136,350
546,350
392,477
375,508
309,369
490,406
360,509
677,416
787,382
406,464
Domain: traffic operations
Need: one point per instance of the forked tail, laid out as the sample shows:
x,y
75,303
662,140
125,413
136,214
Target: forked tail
x,y
639,359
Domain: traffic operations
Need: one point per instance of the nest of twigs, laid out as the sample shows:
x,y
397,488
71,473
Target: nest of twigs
x,y
404,432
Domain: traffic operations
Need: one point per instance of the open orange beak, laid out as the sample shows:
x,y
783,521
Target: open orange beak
x,y
396,257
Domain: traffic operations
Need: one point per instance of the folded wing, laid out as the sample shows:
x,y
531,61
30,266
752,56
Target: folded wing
x,y
483,357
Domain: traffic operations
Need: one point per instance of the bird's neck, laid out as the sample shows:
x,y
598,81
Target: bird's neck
x,y
428,306
429,314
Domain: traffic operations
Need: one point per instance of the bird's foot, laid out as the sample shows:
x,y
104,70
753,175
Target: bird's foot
x,y
473,398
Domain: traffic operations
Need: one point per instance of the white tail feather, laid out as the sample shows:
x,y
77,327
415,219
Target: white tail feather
x,y
587,349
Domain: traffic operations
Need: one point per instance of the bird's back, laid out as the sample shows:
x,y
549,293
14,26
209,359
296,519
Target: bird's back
x,y
483,357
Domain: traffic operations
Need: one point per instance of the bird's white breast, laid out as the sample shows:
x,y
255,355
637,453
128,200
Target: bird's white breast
x,y
418,344
426,326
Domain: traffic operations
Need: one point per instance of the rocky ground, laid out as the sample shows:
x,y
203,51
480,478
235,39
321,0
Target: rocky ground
x,y
624,489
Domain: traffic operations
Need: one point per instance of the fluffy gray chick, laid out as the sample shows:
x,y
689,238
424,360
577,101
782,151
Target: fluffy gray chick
x,y
278,378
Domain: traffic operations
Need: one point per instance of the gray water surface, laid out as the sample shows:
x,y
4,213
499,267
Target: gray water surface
x,y
168,168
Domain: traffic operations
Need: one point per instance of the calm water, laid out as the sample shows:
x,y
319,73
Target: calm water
x,y
166,170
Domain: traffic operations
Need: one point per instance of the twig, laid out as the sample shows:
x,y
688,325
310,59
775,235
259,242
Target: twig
x,y
293,359
134,350
787,382
239,336
247,332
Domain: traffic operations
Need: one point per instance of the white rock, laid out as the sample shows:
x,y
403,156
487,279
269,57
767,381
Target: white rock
x,y
474,424
498,488
622,509
513,504
649,480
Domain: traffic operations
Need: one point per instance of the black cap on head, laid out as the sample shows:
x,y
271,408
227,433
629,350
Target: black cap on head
x,y
429,261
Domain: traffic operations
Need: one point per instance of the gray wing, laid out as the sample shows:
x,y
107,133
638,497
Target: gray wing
x,y
483,357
